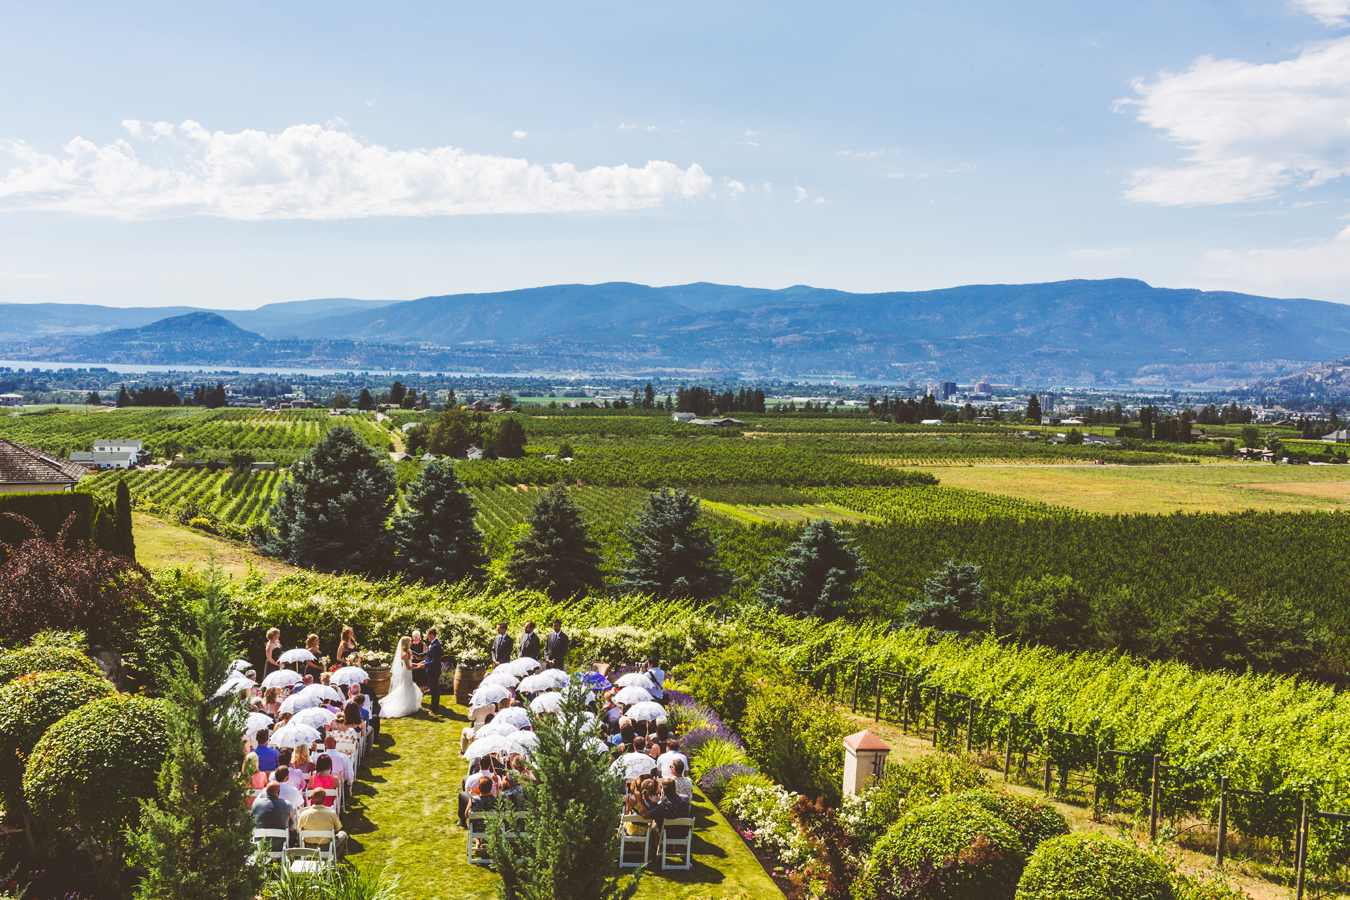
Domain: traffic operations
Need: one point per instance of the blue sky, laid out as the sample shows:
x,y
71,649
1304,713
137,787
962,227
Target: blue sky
x,y
231,155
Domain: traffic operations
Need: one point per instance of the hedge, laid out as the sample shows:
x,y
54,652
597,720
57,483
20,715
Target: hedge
x,y
31,704
1089,866
26,660
94,520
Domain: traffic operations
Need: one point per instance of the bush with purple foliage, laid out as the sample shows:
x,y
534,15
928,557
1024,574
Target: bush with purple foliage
x,y
714,782
696,738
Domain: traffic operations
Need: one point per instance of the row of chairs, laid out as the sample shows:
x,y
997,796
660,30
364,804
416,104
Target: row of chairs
x,y
477,830
677,837
304,859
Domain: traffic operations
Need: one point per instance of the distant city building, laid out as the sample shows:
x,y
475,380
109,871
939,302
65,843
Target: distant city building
x,y
948,389
1017,381
983,386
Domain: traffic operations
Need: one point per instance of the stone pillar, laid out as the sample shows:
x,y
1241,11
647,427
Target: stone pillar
x,y
864,758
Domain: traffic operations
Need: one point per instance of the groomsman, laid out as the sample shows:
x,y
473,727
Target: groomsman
x,y
555,647
501,645
529,642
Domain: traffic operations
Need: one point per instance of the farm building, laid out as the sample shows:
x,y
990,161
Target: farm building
x,y
25,470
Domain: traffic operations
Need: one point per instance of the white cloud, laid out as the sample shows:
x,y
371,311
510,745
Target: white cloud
x,y
801,194
1321,270
1331,13
1251,131
311,172
735,187
518,133
752,134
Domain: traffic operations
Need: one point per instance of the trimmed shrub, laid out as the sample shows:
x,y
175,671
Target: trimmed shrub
x,y
15,663
946,850
49,512
726,679
718,752
1092,867
714,782
902,788
90,771
794,735
1033,821
29,705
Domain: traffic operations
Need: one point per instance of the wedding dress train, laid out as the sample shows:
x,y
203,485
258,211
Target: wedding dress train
x,y
404,697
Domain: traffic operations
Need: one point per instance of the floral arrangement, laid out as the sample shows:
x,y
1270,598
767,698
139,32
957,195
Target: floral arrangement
x,y
375,658
765,811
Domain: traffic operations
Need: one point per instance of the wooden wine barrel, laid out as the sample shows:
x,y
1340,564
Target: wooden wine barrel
x,y
468,676
379,680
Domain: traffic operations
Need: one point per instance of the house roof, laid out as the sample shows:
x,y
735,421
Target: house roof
x,y
21,464
865,740
95,457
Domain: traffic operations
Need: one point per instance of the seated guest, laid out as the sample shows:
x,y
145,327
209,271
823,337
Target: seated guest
x,y
672,754
272,702
323,778
609,718
474,785
320,818
352,718
289,793
342,766
514,792
483,799
267,757
300,760
683,786
309,679
256,780
297,777
270,811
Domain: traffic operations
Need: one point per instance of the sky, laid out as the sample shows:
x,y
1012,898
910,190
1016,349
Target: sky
x,y
229,155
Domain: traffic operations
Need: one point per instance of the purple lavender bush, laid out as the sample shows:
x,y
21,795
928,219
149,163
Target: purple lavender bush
x,y
696,738
714,782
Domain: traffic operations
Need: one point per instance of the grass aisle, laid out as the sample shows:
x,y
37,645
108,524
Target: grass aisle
x,y
405,818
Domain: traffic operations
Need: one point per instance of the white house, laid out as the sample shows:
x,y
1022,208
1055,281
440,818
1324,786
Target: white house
x,y
110,453
1337,437
11,399
117,445
931,422
683,417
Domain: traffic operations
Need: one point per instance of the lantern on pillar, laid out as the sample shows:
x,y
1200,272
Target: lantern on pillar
x,y
864,759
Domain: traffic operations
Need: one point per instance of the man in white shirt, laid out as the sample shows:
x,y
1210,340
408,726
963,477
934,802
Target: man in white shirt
x,y
294,799
665,760
658,676
342,766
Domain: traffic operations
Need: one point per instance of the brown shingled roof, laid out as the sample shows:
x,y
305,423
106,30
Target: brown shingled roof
x,y
21,464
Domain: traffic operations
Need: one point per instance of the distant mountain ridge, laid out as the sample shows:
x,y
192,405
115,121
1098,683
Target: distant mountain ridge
x,y
1070,332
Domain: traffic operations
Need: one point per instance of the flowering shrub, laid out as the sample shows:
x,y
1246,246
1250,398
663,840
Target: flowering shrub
x,y
713,783
716,753
904,787
695,738
765,813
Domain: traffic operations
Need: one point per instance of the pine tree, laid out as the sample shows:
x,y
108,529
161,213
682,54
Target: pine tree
x,y
558,556
123,398
331,511
672,555
816,576
126,540
436,536
950,601
195,840
397,393
572,814
1034,409
365,403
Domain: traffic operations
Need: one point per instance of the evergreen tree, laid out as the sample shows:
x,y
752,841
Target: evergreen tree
x,y
331,511
672,555
816,576
126,540
365,403
950,599
123,398
648,396
195,840
436,537
397,393
558,556
572,810
1034,409
94,399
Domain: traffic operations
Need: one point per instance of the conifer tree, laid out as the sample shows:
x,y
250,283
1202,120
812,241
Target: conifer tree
x,y
123,398
816,576
436,536
365,403
195,839
572,807
672,555
950,601
126,540
1034,409
558,556
331,511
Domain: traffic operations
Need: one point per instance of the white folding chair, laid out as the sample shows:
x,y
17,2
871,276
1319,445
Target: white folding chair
x,y
626,839
327,854
328,792
263,836
480,833
683,846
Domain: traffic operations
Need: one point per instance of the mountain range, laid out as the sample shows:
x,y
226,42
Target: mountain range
x,y
1116,331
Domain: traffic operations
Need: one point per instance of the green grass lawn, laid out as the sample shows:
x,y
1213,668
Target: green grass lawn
x,y
405,818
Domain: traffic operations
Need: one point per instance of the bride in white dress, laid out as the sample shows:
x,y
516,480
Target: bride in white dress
x,y
404,697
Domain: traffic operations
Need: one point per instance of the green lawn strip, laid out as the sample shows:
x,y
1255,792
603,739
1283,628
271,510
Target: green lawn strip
x,y
405,818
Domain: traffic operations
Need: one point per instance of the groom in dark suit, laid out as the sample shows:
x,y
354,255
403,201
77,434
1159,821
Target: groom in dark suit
x,y
555,647
501,646
529,642
433,666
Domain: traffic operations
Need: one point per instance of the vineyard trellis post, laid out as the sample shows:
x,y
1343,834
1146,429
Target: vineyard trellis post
x,y
937,712
1007,754
904,705
857,678
1221,844
1301,848
970,722
1153,801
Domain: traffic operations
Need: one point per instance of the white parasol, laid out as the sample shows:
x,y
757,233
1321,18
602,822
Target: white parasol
x,y
633,765
282,678
256,722
535,683
346,675
502,675
513,715
557,676
486,746
547,703
316,717
646,711
240,666
631,695
298,701
523,666
297,655
506,729
489,693
323,692
523,742
293,734
637,679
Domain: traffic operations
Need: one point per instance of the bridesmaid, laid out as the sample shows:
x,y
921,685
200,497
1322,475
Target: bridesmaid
x,y
273,648
347,647
313,666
